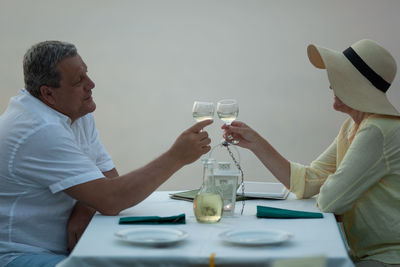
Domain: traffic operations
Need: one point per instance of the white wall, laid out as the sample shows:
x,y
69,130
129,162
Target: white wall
x,y
151,59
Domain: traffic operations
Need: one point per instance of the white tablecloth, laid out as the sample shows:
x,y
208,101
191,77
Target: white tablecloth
x,y
311,237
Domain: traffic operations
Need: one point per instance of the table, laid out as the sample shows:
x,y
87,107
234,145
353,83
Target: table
x,y
311,237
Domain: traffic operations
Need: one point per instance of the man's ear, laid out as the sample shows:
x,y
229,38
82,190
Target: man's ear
x,y
47,95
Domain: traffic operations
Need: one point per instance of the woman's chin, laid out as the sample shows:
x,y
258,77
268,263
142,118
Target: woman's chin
x,y
338,107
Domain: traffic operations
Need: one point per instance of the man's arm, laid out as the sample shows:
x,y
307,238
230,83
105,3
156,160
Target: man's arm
x,y
110,196
111,173
81,216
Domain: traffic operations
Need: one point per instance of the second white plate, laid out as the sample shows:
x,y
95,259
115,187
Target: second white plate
x,y
255,237
151,236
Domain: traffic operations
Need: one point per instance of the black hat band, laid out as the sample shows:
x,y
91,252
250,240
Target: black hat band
x,y
365,70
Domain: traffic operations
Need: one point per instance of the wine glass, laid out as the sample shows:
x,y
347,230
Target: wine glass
x,y
202,110
228,110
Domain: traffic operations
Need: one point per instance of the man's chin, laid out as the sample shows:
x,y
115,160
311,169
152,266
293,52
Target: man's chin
x,y
91,107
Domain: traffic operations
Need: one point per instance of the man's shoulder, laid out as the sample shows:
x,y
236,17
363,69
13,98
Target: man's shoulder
x,y
24,122
25,107
26,117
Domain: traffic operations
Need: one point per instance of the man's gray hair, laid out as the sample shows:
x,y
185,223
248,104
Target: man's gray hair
x,y
40,64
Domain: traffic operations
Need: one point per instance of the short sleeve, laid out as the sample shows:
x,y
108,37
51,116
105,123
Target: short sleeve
x,y
51,158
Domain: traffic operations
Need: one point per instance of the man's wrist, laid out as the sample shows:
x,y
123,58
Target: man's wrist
x,y
173,160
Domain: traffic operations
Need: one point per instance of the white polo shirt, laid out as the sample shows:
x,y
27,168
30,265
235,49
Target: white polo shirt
x,y
41,154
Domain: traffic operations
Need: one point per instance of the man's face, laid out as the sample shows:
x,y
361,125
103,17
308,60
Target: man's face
x,y
74,96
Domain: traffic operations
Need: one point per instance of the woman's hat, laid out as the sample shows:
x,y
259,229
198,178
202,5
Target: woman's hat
x,y
360,76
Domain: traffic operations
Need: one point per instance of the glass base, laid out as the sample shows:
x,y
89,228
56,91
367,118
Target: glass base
x,y
227,143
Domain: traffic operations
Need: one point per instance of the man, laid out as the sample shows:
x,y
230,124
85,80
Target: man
x,y
55,172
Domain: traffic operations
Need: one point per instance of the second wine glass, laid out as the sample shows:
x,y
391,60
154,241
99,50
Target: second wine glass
x,y
228,111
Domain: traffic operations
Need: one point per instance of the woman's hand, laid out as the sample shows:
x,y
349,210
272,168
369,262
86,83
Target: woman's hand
x,y
250,139
239,131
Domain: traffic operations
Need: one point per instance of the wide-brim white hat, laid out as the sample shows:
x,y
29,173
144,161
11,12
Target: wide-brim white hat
x,y
360,76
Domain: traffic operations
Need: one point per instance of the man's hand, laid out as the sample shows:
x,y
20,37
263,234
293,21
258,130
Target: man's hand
x,y
192,143
77,223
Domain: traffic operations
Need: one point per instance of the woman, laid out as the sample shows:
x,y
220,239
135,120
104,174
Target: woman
x,y
358,176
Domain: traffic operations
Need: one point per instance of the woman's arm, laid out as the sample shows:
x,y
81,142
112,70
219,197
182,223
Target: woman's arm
x,y
304,181
250,139
362,167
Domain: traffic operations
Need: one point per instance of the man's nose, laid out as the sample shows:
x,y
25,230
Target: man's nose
x,y
90,84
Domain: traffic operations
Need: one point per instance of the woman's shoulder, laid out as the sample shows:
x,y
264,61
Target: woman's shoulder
x,y
347,126
385,123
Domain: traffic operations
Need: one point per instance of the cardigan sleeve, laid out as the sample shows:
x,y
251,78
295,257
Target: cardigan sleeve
x,y
363,166
305,181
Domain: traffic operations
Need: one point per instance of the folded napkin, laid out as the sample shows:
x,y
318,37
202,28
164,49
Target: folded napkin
x,y
177,219
269,212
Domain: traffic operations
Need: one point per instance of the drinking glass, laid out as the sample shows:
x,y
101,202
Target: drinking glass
x,y
202,110
228,110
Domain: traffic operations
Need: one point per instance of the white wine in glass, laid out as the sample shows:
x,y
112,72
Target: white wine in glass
x,y
228,110
203,111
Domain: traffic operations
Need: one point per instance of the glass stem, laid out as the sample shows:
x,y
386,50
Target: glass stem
x,y
204,174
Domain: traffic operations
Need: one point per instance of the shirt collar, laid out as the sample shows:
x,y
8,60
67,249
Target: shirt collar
x,y
40,107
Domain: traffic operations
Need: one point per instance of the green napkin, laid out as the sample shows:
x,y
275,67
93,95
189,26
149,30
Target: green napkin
x,y
177,219
269,212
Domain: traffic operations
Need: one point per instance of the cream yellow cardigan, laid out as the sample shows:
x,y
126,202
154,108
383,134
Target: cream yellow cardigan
x,y
358,177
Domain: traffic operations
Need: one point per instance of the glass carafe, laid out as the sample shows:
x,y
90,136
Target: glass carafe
x,y
208,204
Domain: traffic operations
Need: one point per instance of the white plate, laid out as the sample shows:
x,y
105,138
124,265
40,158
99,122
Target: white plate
x,y
151,236
255,237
